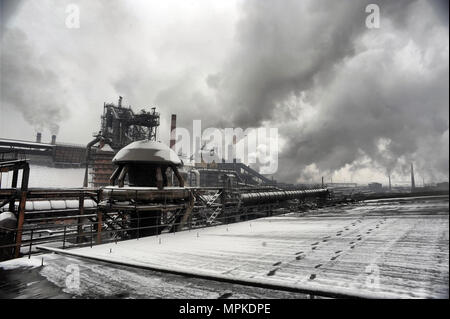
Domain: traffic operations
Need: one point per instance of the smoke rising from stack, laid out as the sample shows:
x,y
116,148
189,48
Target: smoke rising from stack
x,y
29,84
53,141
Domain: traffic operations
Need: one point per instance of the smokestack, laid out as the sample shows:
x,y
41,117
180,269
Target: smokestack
x,y
173,126
38,137
120,101
390,187
413,183
53,139
234,148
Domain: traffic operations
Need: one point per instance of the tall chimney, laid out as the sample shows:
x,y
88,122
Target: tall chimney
x,y
53,139
390,187
38,137
234,148
173,126
413,183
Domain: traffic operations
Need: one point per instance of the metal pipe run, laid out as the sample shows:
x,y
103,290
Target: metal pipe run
x,y
260,197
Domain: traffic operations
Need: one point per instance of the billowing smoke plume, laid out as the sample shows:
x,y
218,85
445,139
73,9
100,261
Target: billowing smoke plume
x,y
347,100
28,85
343,95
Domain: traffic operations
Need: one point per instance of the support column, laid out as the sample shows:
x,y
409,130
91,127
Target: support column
x,y
80,219
159,178
23,200
179,177
99,226
13,185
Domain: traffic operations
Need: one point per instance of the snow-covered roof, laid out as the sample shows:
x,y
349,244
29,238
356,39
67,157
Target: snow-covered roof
x,y
147,152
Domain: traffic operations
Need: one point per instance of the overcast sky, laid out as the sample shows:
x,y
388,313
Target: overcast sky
x,y
350,103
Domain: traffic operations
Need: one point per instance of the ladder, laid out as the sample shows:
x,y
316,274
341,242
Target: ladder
x,y
214,215
213,199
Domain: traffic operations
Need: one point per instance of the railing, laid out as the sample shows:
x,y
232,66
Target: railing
x,y
94,232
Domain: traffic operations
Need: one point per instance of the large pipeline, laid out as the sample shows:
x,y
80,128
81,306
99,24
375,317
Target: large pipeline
x,y
275,196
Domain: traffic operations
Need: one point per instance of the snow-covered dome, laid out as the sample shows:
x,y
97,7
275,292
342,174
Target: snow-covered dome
x,y
150,152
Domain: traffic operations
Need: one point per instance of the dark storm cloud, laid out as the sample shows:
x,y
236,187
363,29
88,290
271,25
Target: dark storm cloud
x,y
7,9
367,100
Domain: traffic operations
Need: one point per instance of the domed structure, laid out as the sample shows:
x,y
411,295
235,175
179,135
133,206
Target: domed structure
x,y
146,163
147,152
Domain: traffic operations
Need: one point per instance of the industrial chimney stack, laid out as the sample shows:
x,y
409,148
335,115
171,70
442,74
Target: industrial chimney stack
x,y
234,149
390,186
38,137
173,126
413,183
53,139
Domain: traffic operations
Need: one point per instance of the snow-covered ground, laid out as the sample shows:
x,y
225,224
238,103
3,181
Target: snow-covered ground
x,y
44,176
385,248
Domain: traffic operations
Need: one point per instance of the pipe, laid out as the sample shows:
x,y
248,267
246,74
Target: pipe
x,y
275,196
88,157
121,179
114,175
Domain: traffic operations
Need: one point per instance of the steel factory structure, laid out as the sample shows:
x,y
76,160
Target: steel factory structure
x,y
138,189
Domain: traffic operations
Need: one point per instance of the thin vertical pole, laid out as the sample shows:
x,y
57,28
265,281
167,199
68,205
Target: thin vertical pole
x,y
80,219
99,226
31,243
13,185
64,237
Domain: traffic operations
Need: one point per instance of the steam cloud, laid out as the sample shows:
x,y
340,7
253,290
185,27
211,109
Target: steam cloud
x,y
344,97
28,86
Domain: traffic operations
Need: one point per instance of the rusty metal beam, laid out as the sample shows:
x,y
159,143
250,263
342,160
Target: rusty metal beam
x,y
80,219
123,173
13,185
178,175
114,175
23,200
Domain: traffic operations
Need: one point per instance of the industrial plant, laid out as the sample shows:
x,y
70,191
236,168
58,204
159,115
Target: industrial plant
x,y
140,189
316,166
